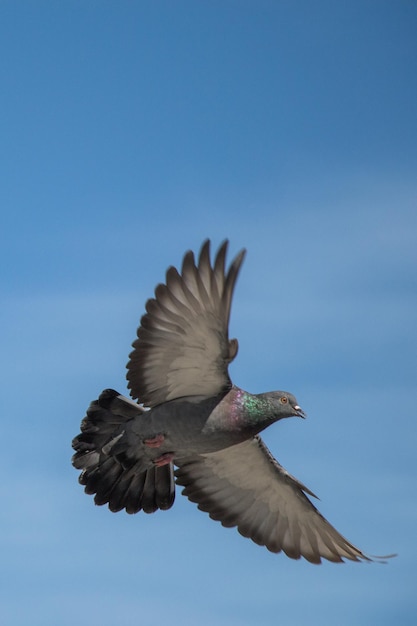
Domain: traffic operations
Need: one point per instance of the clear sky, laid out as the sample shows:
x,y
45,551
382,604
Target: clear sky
x,y
130,132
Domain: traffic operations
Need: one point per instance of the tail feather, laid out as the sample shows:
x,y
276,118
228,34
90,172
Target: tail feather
x,y
105,470
148,495
118,494
133,502
164,486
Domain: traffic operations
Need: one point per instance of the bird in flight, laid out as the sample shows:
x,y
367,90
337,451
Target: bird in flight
x,y
188,424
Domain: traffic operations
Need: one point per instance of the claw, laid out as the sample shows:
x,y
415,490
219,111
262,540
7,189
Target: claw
x,y
155,442
164,459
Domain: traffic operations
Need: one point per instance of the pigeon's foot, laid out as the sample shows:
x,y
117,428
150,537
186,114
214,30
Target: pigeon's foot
x,y
164,459
155,442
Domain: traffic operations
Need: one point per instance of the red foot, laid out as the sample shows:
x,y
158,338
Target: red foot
x,y
154,442
164,459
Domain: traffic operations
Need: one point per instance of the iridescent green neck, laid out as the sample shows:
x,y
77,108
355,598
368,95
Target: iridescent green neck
x,y
254,410
241,415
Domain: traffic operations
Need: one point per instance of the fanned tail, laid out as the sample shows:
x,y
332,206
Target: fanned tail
x,y
131,487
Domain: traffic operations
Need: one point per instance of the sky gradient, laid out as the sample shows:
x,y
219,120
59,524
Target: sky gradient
x,y
132,131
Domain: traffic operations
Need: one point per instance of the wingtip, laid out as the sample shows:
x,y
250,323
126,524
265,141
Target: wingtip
x,y
221,251
383,560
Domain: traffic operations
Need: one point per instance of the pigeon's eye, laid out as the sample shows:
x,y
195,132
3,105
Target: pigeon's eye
x,y
283,400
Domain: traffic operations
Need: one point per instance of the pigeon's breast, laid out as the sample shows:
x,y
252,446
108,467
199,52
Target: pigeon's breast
x,y
193,427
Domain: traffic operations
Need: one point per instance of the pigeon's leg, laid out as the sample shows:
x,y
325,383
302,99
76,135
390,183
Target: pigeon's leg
x,y
164,459
155,442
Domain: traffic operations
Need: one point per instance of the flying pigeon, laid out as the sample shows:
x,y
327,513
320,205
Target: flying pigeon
x,y
187,413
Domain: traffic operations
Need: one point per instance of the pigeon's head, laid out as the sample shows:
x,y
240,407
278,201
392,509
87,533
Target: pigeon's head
x,y
283,404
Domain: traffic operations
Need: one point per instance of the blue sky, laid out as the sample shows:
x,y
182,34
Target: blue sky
x,y
131,131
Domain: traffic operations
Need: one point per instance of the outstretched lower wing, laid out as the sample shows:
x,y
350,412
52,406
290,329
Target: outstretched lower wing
x,y
183,347
245,486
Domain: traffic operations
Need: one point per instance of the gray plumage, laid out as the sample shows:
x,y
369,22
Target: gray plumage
x,y
191,415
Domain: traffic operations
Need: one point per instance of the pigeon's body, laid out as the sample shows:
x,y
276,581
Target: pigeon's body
x,y
189,426
195,426
201,423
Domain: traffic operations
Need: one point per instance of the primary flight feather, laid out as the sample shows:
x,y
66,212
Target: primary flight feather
x,y
188,414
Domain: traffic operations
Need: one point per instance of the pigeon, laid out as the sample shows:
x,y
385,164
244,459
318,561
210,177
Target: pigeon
x,y
187,424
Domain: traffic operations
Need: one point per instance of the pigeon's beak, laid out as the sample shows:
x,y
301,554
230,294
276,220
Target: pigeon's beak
x,y
300,411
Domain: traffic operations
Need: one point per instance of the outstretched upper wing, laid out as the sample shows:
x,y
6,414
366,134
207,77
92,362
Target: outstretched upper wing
x,y
183,347
245,486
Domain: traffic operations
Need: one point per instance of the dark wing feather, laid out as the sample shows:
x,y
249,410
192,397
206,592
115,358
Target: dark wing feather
x,y
245,486
183,347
